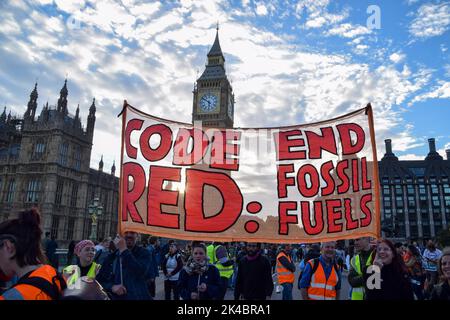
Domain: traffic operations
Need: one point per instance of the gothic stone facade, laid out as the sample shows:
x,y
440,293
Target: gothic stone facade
x,y
44,162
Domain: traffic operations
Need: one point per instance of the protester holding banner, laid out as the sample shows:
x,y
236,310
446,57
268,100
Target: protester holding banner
x,y
254,280
124,273
199,280
21,255
393,283
442,290
321,278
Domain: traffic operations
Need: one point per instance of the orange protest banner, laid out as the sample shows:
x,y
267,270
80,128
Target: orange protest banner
x,y
302,183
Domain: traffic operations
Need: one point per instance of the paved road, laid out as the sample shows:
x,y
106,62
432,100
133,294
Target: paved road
x,y
275,296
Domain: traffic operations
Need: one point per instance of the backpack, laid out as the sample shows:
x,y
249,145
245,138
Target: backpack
x,y
314,269
51,289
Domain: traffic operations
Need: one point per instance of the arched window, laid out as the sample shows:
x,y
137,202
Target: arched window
x,y
38,150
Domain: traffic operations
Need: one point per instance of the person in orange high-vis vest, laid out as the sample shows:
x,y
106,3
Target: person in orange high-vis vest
x,y
21,255
320,279
285,272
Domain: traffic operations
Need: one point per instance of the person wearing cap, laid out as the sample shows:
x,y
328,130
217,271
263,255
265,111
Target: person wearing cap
x,y
85,251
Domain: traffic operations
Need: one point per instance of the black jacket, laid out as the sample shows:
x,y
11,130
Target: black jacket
x,y
254,279
394,286
441,292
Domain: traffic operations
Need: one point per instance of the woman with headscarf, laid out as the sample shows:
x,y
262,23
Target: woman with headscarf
x,y
85,251
199,280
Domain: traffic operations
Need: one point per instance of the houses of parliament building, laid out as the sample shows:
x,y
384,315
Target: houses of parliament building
x,y
44,162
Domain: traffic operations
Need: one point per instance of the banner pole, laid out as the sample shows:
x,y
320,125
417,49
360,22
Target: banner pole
x,y
123,113
375,169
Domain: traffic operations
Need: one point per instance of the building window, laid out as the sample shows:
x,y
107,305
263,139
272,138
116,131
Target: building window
x,y
434,189
70,228
436,202
11,191
63,151
399,202
446,188
422,189
411,202
410,190
386,190
77,158
73,198
59,191
38,151
447,201
55,226
33,189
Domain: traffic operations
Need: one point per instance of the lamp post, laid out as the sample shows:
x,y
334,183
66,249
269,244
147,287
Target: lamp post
x,y
94,210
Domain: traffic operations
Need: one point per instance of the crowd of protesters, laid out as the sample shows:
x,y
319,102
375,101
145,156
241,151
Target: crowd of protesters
x,y
126,268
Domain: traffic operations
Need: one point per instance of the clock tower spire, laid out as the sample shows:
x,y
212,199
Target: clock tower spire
x,y
213,94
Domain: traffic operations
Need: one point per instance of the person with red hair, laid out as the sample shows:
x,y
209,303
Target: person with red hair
x,y
395,283
21,255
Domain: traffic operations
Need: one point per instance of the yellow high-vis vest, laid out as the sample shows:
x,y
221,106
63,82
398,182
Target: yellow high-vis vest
x,y
358,292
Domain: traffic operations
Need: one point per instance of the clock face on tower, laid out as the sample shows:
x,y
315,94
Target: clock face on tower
x,y
208,102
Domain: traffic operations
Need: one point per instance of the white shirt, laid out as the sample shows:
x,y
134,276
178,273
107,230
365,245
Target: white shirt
x,y
171,265
429,266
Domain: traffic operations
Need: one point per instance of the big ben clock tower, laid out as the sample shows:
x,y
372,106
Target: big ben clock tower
x,y
213,94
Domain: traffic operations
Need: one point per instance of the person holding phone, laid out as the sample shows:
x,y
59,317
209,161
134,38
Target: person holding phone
x,y
394,283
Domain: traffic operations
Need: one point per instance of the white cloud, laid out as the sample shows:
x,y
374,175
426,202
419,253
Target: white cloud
x,y
348,30
271,77
441,92
410,156
431,20
9,26
317,14
261,9
70,6
397,57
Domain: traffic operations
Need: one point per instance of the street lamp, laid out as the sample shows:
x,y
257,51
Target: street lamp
x,y
94,210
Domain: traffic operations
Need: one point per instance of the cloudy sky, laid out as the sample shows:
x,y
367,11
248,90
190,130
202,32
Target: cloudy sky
x,y
290,62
